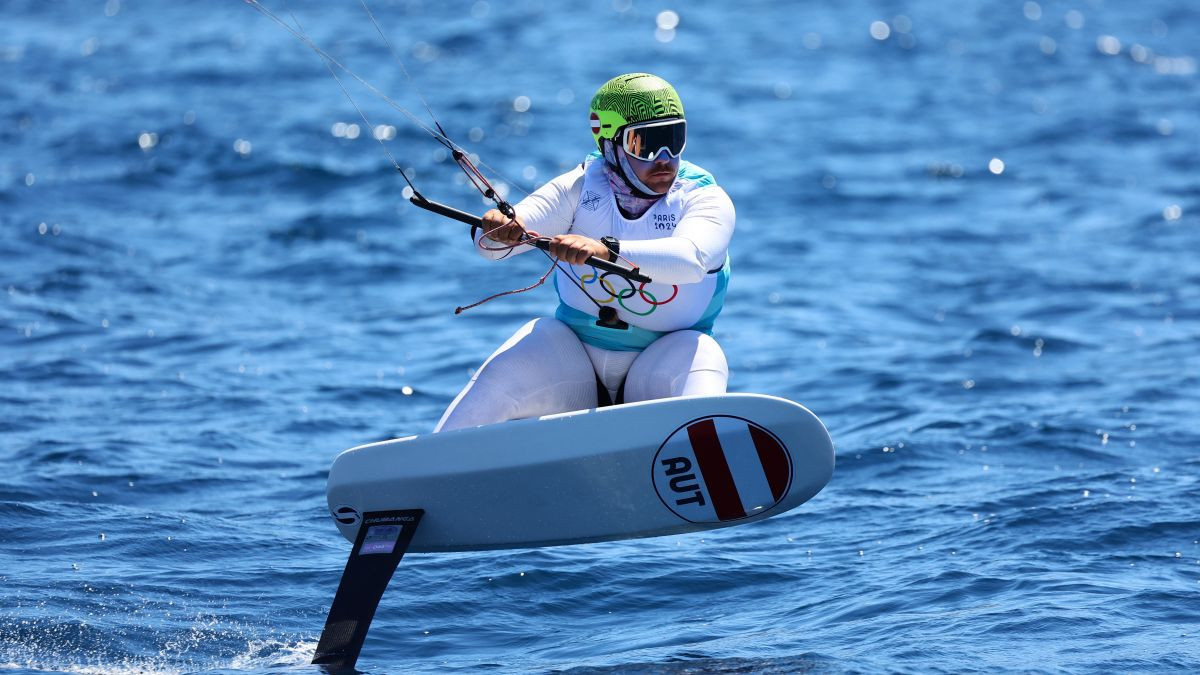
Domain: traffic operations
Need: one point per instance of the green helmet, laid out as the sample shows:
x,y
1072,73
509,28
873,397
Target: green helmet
x,y
626,99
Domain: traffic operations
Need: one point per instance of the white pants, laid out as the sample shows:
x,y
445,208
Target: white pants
x,y
544,369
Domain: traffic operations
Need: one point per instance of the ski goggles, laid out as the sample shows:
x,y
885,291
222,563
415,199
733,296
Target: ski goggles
x,y
644,141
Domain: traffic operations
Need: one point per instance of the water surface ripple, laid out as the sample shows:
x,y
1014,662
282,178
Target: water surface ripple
x,y
970,247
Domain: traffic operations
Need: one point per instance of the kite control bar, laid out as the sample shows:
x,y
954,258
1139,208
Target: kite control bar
x,y
632,274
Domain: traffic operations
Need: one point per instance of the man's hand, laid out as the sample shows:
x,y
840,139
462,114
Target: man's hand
x,y
500,228
576,248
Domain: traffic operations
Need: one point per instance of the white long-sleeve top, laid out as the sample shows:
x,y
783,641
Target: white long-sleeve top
x,y
681,242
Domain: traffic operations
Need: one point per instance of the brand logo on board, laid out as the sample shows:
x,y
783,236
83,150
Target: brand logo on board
x,y
346,515
721,468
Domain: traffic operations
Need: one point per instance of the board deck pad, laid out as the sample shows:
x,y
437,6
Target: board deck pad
x,y
635,470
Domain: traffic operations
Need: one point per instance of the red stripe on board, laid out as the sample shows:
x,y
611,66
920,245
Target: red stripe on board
x,y
711,458
774,460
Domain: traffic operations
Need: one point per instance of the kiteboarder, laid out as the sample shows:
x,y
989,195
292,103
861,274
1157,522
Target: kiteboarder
x,y
612,340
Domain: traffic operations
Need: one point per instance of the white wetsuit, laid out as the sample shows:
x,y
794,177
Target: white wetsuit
x,y
552,365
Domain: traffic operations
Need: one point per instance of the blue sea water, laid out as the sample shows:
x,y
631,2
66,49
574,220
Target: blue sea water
x,y
967,239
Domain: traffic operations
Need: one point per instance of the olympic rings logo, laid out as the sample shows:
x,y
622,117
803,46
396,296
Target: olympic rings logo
x,y
621,295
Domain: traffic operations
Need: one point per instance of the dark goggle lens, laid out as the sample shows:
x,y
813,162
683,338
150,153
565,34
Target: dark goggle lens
x,y
644,143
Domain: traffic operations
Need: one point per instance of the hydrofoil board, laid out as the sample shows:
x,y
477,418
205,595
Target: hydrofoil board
x,y
635,470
